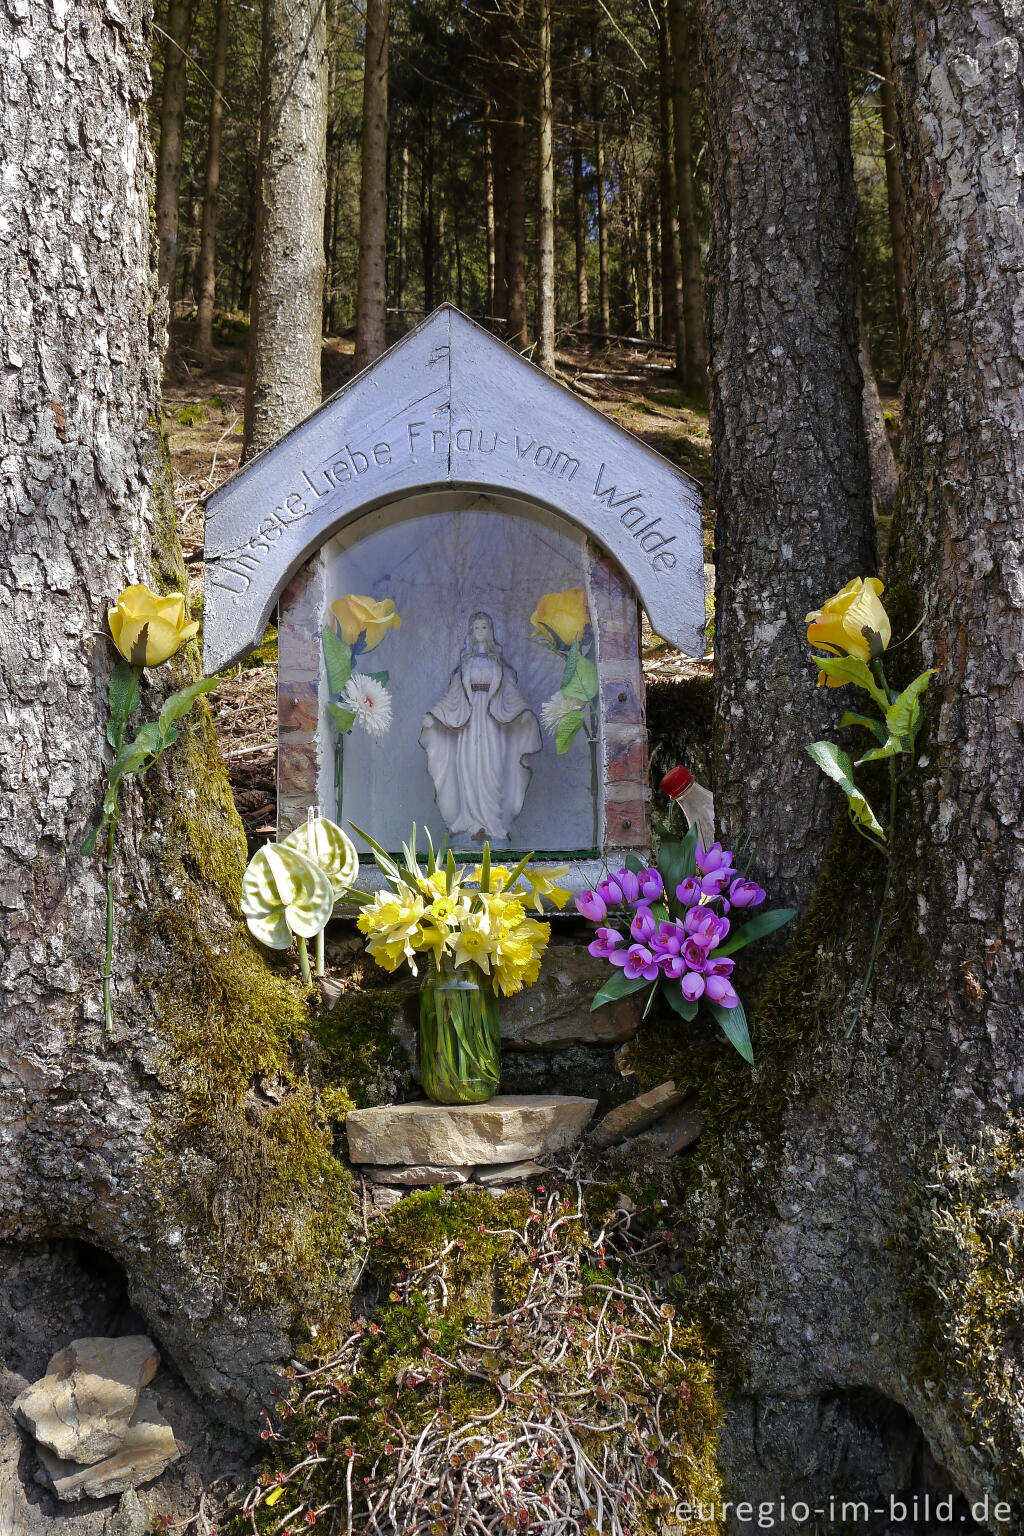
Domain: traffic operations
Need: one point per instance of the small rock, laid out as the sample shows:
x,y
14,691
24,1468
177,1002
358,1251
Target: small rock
x,y
678,1129
635,1115
383,1197
508,1173
418,1176
622,1065
507,1129
80,1410
146,1449
555,1011
129,1518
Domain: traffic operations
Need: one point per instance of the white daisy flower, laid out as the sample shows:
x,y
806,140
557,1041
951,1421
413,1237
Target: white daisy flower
x,y
555,709
370,702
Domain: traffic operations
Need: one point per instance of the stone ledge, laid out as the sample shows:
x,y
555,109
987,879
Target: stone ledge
x,y
507,1129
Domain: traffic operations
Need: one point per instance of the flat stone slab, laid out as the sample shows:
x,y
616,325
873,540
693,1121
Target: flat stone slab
x,y
511,1128
80,1410
418,1177
635,1115
678,1129
146,1450
508,1173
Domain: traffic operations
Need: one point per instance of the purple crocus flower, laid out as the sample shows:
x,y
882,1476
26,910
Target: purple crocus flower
x,y
695,954
715,857
723,966
652,886
672,966
689,892
721,990
621,887
604,945
643,927
640,962
745,893
592,906
669,938
706,927
692,986
715,882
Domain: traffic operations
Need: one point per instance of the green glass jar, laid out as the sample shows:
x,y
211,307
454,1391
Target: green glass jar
x,y
460,1042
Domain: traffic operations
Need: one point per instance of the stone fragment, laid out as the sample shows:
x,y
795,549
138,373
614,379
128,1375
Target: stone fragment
x,y
507,1129
508,1173
80,1410
622,1065
678,1129
145,1450
555,1011
635,1115
130,1519
418,1176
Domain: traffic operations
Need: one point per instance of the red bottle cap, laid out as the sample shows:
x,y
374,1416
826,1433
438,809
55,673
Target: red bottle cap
x,y
676,782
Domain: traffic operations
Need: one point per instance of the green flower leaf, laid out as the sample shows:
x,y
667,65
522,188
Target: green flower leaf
x,y
343,719
677,1002
181,702
620,985
568,728
759,927
903,717
677,861
876,727
850,669
733,1023
583,683
835,762
337,659
889,748
571,662
124,696
380,677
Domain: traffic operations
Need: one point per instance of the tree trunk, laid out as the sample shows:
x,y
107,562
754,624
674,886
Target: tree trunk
x,y
372,297
287,295
150,1142
402,264
671,261
211,188
604,291
516,334
885,478
579,215
491,231
172,130
689,239
861,1201
428,244
785,390
546,194
893,179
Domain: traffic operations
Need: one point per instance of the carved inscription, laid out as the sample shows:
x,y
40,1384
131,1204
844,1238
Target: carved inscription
x,y
349,467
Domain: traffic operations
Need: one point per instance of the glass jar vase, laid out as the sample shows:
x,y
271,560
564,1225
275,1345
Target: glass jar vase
x,y
459,1041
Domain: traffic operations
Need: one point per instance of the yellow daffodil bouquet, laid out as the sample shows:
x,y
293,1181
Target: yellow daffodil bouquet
x,y
471,934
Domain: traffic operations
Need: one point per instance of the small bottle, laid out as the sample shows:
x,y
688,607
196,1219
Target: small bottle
x,y
695,801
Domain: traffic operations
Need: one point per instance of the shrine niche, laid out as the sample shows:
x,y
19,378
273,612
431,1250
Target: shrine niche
x,y
457,546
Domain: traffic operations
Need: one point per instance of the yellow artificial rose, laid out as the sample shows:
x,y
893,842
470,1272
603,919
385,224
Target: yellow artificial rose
x,y
359,615
163,618
853,623
563,612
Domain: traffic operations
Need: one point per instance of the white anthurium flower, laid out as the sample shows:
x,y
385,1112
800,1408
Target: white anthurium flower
x,y
284,893
330,848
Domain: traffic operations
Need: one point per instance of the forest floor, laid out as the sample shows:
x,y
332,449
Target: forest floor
x,y
632,385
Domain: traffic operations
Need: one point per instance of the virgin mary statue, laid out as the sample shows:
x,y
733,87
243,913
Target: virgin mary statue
x,y
477,739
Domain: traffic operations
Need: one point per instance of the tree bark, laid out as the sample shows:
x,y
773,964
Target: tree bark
x,y
516,333
579,214
372,297
148,1142
597,107
172,129
785,390
490,227
671,261
885,478
893,179
211,190
546,194
287,295
689,239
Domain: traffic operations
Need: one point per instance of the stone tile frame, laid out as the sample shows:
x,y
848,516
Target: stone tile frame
x,y
305,775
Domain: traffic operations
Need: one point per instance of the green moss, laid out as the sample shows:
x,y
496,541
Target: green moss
x,y
962,1249
265,654
191,415
362,1055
